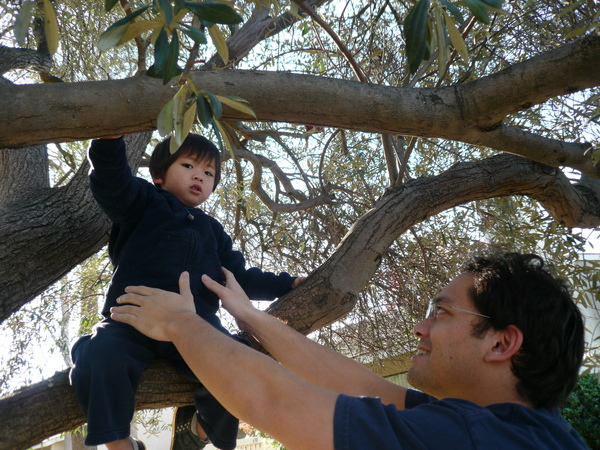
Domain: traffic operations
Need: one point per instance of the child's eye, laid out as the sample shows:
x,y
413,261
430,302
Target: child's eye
x,y
187,166
209,174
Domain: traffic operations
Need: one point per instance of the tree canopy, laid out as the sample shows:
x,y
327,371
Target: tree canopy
x,y
386,142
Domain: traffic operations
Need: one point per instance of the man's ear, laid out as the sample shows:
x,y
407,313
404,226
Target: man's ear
x,y
505,344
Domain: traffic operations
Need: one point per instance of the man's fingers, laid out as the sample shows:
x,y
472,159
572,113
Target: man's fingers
x,y
131,299
125,314
140,290
184,284
230,280
212,284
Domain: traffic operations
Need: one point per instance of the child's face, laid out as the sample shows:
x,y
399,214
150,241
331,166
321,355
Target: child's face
x,y
191,180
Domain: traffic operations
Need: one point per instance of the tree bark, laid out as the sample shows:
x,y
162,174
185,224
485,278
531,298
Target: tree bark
x,y
45,232
47,408
470,113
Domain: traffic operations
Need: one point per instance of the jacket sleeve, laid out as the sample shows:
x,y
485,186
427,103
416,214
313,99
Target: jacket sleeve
x,y
117,191
257,284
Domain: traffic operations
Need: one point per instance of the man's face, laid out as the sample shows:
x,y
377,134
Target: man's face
x,y
449,357
191,180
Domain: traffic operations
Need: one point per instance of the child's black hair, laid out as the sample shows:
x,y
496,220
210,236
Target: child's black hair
x,y
194,145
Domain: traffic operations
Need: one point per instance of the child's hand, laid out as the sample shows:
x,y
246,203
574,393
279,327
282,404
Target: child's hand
x,y
297,282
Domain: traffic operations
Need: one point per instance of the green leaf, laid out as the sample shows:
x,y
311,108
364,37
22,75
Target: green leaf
x,y
193,33
452,9
111,37
22,22
496,4
219,43
109,4
51,27
477,7
137,28
153,72
178,110
214,12
164,122
170,68
456,38
225,137
167,10
188,120
215,105
128,18
203,110
179,5
161,49
237,103
416,31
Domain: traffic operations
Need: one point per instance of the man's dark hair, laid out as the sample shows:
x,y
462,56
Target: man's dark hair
x,y
515,289
194,145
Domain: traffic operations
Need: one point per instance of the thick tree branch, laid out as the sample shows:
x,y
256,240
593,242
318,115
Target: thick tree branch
x,y
468,113
333,287
160,387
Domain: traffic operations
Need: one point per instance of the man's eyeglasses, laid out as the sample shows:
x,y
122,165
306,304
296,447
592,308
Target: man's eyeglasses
x,y
435,307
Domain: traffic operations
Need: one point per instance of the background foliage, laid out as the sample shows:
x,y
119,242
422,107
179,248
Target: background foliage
x,y
582,409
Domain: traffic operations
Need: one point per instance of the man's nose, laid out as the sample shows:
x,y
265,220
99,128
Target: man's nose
x,y
421,328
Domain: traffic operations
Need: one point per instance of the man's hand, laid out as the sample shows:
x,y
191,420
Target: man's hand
x,y
233,297
151,310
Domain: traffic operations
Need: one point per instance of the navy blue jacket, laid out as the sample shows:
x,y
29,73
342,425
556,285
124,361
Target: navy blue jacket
x,y
154,239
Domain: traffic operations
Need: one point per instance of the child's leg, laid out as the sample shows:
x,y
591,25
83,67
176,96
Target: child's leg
x,y
107,368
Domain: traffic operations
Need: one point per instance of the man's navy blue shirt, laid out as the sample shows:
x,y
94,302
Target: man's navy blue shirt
x,y
427,423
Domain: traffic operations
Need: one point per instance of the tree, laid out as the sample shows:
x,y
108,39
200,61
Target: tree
x,y
378,206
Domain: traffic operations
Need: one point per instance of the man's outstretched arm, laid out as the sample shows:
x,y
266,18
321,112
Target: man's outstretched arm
x,y
250,385
311,361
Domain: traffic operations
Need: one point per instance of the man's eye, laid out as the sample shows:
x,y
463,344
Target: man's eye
x,y
440,309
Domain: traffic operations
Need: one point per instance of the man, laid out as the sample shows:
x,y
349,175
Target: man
x,y
500,349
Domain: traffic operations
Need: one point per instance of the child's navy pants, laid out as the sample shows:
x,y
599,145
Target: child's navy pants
x,y
108,365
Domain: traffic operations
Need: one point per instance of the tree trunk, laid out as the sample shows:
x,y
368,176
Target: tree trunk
x,y
45,232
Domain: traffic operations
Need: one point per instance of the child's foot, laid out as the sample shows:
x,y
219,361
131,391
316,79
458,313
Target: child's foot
x,y
137,445
187,433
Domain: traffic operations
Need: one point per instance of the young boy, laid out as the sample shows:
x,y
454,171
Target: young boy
x,y
157,233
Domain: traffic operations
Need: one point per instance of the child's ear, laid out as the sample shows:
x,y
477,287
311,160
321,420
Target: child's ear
x,y
157,180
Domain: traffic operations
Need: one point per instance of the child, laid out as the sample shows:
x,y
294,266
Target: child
x,y
157,233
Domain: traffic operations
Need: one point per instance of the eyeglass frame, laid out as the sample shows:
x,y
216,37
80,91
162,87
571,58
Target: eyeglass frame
x,y
433,303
